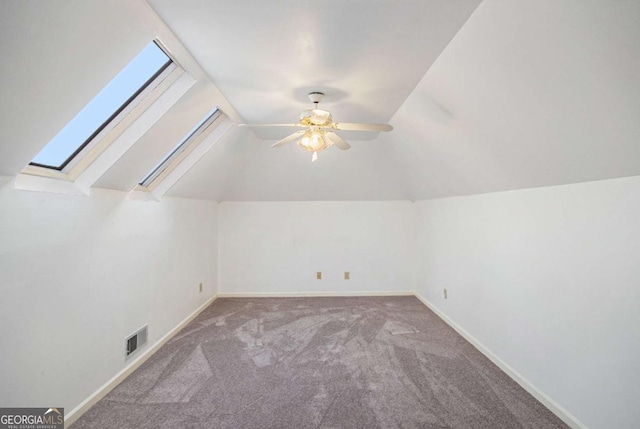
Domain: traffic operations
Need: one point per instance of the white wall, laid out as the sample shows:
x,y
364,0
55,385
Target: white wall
x,y
277,247
549,280
78,274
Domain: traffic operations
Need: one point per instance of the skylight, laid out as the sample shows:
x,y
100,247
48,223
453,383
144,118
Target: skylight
x,y
186,141
104,108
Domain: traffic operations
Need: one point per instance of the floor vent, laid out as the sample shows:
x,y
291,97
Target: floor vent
x,y
135,341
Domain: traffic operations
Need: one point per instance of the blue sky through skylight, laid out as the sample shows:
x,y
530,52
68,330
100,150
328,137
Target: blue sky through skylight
x,y
100,109
157,170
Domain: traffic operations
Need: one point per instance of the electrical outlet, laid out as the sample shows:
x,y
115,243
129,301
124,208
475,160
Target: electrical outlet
x,y
319,275
444,293
347,275
200,287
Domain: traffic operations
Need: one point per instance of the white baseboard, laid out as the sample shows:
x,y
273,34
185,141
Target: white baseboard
x,y
552,405
312,294
109,385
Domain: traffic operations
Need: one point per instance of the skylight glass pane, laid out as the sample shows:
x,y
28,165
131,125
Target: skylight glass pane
x,y
103,108
200,127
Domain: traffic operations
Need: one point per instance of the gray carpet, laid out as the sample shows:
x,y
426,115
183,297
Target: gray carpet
x,y
365,362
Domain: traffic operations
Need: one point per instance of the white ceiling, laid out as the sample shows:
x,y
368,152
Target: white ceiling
x,y
266,56
528,94
46,50
515,94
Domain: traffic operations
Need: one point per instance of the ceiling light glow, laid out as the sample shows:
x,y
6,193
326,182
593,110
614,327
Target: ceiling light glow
x,y
314,141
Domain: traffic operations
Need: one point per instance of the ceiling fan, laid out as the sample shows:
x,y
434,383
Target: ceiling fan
x,y
317,133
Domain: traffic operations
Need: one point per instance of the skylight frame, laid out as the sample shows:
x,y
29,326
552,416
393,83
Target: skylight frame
x,y
115,118
186,144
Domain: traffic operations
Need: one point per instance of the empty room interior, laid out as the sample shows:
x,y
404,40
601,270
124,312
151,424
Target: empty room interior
x,y
328,214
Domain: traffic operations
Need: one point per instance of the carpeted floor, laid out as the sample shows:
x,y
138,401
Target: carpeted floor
x,y
365,362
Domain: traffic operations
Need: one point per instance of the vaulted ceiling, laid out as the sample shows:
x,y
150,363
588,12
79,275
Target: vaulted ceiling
x,y
483,96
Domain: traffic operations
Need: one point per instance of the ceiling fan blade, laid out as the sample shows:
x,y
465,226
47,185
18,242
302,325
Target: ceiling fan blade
x,y
337,141
289,138
270,125
346,126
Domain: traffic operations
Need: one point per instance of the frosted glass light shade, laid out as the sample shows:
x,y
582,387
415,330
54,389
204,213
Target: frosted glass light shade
x,y
314,141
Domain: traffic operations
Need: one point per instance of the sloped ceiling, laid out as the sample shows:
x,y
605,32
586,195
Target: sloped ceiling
x,y
46,50
504,95
528,94
367,56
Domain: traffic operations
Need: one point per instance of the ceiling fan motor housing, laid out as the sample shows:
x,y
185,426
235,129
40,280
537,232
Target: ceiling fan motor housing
x,y
316,117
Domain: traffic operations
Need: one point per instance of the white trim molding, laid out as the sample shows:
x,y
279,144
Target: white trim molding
x,y
312,294
545,400
85,405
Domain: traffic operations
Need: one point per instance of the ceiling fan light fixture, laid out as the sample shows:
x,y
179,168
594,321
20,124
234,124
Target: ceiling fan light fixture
x,y
320,129
314,141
